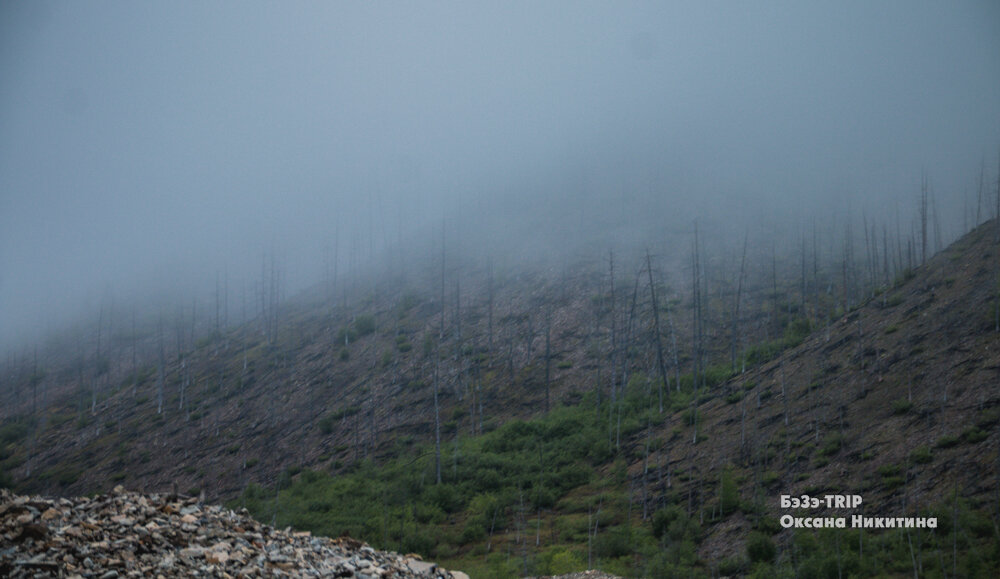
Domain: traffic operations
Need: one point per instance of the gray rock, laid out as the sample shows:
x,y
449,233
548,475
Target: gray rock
x,y
130,535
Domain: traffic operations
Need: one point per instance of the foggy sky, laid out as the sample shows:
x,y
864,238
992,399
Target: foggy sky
x,y
142,144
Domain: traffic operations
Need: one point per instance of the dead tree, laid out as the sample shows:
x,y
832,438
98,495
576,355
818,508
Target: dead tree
x,y
489,292
548,358
923,218
656,330
161,368
739,295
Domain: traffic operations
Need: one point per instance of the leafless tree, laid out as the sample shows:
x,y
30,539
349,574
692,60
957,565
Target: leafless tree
x,y
924,208
161,369
739,295
656,330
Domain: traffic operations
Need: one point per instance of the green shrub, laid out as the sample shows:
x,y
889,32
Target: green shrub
x,y
921,455
662,519
901,406
974,435
889,469
565,561
613,542
15,430
831,445
893,482
364,324
760,548
732,567
729,496
796,331
346,335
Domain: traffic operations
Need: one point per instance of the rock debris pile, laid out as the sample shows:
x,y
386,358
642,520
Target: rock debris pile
x,y
132,535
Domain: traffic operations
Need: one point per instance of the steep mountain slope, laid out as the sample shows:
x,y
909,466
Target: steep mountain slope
x,y
799,390
896,401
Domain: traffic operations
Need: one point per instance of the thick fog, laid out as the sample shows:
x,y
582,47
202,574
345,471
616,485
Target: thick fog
x,y
146,147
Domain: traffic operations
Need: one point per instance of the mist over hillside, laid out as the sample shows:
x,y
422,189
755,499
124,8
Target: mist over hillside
x,y
525,288
147,151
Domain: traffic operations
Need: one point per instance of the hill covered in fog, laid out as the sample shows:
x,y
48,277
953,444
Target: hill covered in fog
x,y
587,406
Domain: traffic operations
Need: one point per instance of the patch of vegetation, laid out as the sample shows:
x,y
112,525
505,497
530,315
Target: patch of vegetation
x,y
403,343
901,406
364,325
62,475
921,455
904,276
892,482
831,445
328,423
486,479
346,336
974,435
16,430
889,470
760,548
729,496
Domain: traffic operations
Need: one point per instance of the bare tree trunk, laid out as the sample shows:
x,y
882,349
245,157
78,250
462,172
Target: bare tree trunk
x,y
548,358
739,295
673,349
996,213
135,371
98,365
923,218
656,330
160,370
437,415
980,191
698,328
441,326
614,329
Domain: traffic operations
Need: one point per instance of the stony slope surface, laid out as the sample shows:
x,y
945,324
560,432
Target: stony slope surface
x,y
125,534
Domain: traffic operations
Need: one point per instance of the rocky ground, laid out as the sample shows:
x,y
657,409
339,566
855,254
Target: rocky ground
x,y
126,534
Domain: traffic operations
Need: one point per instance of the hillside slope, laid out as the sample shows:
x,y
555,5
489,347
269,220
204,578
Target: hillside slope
x,y
896,401
893,399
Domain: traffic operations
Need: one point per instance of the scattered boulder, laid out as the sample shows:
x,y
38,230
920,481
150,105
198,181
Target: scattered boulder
x,y
126,534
